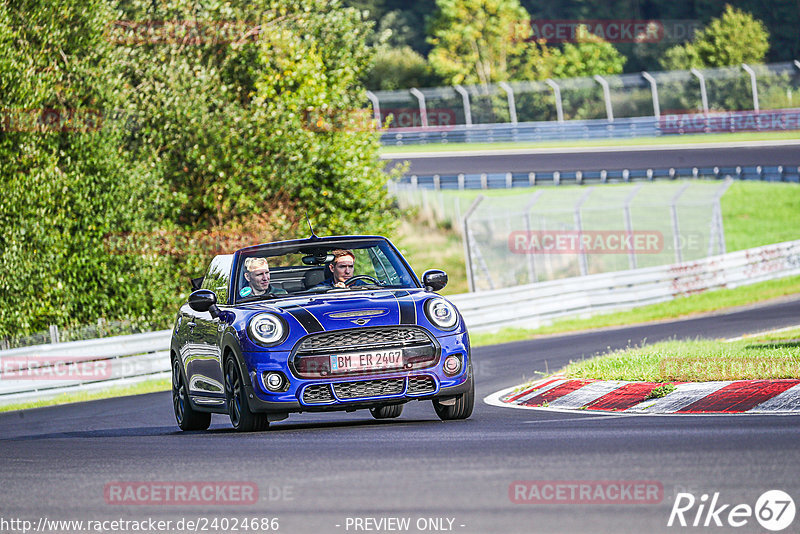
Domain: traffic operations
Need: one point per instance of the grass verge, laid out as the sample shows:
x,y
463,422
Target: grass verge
x,y
695,361
633,141
680,307
148,386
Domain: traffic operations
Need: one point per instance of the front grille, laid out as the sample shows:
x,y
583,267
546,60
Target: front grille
x,y
317,393
311,355
419,385
363,337
369,388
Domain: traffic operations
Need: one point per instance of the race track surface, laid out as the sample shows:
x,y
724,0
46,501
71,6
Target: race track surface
x,y
548,160
314,471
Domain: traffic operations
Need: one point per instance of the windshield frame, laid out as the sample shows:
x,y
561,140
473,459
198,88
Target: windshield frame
x,y
297,246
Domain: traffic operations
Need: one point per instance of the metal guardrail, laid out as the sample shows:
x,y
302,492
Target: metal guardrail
x,y
42,371
509,180
48,370
536,304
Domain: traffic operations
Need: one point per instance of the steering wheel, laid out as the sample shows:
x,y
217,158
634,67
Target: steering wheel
x,y
350,281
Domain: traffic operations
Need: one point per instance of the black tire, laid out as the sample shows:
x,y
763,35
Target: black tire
x,y
187,417
462,408
386,412
242,419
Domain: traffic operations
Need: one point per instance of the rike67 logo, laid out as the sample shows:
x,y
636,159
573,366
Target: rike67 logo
x,y
774,510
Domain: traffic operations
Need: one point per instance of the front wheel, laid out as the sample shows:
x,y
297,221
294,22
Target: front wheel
x,y
187,417
386,412
462,408
242,419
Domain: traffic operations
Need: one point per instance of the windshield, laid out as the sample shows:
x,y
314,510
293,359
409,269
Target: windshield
x,y
320,268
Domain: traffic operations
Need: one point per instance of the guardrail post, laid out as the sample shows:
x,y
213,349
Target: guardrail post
x,y
753,84
557,95
376,107
467,240
512,106
703,93
673,208
423,108
582,261
654,91
606,96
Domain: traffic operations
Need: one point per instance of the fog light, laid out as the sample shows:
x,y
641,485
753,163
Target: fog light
x,y
452,365
274,381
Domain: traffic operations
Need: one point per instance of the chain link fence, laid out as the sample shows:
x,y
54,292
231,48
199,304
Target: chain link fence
x,y
513,238
459,113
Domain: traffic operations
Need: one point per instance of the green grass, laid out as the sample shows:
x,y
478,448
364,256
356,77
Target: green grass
x,y
634,141
149,386
694,361
680,307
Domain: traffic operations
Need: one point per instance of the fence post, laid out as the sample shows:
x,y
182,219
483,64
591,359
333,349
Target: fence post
x,y
512,106
423,109
53,333
531,257
376,107
582,262
606,96
703,94
467,107
629,224
466,237
654,91
557,94
752,74
673,208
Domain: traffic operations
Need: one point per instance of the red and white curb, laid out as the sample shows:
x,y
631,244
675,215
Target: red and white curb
x,y
613,396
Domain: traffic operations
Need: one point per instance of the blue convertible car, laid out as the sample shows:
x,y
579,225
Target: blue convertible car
x,y
317,324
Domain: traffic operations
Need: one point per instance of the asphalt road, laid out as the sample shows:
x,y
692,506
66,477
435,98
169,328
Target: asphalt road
x,y
544,160
314,471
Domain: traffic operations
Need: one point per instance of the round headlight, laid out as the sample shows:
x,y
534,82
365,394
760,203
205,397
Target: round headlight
x,y
267,329
441,313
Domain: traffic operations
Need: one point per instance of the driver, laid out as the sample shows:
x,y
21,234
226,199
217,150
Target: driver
x,y
342,267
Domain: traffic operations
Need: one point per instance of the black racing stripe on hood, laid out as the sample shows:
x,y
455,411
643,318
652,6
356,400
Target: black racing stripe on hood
x,y
305,318
408,310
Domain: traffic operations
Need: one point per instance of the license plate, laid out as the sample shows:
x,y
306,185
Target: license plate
x,y
366,361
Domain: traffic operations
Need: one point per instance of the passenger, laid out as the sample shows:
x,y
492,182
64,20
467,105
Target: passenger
x,y
257,275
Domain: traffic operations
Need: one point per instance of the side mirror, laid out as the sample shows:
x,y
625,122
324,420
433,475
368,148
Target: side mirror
x,y
204,300
434,279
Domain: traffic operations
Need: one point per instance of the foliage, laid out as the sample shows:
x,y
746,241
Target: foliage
x,y
224,138
482,41
399,68
68,183
730,40
589,56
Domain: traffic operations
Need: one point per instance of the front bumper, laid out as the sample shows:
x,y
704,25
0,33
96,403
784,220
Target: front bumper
x,y
353,392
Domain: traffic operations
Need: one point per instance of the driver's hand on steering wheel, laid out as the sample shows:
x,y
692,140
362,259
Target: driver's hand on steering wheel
x,y
340,285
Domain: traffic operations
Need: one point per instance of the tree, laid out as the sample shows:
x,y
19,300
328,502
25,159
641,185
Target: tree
x,y
732,39
479,41
399,68
590,55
